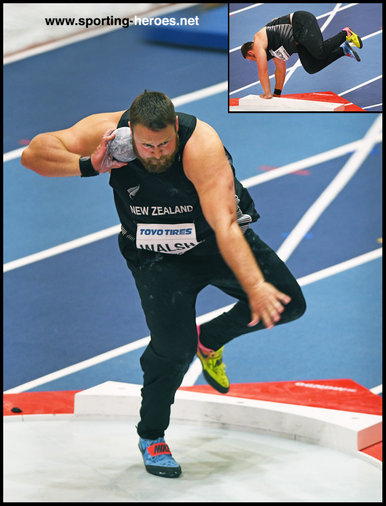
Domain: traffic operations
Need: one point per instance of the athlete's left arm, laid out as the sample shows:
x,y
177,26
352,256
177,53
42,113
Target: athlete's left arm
x,y
207,167
279,73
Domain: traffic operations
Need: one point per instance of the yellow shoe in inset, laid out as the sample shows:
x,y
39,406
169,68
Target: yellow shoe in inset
x,y
353,37
213,367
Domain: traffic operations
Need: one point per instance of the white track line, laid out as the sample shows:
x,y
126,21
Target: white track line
x,y
192,374
341,267
292,69
244,9
200,94
330,193
305,163
102,234
177,101
371,35
317,17
89,33
360,85
12,155
61,248
256,82
249,182
108,355
194,370
376,390
371,106
326,23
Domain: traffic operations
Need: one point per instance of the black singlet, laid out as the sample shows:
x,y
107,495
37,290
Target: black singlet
x,y
281,42
169,198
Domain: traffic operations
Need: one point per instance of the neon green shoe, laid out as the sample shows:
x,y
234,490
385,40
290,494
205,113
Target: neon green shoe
x,y
353,37
213,367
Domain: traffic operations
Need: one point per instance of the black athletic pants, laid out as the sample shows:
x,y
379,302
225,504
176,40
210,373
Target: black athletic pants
x,y
168,286
314,52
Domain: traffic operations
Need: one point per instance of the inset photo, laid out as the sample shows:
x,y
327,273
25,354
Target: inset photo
x,y
305,57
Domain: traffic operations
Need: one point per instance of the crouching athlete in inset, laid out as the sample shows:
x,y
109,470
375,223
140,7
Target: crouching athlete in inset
x,y
298,32
185,220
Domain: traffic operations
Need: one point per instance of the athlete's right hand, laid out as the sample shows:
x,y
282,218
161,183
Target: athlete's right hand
x,y
267,304
101,159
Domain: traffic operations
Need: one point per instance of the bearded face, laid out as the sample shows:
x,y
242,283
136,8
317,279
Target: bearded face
x,y
155,150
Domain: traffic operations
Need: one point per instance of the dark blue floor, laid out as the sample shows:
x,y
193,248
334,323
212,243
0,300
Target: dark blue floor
x,y
107,73
76,305
339,336
86,206
339,77
48,303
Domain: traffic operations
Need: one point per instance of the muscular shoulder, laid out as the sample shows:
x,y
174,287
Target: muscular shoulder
x,y
204,155
203,141
85,135
260,39
96,122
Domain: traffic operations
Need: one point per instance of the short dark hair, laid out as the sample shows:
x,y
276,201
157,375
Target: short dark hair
x,y
245,48
152,109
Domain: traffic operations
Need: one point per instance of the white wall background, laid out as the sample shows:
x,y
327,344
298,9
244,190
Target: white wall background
x,y
25,28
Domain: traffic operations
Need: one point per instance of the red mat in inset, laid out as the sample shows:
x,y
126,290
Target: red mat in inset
x,y
326,96
322,96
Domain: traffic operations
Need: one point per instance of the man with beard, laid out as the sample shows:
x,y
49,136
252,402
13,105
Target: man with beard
x,y
185,219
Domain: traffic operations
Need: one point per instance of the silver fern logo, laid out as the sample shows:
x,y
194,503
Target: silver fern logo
x,y
133,191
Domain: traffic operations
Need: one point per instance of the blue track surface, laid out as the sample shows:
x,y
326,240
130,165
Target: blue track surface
x,y
339,77
101,74
81,303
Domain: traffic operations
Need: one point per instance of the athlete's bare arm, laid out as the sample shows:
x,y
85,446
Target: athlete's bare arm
x,y
56,154
259,48
207,167
279,73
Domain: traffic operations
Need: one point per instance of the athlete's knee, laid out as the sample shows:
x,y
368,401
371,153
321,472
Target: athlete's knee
x,y
301,308
310,70
297,307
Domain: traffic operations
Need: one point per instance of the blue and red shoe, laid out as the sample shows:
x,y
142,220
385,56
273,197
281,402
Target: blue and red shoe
x,y
158,459
349,51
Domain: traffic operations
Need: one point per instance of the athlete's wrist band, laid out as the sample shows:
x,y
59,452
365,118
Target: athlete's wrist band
x,y
86,168
277,92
